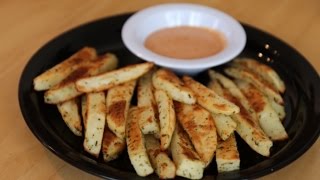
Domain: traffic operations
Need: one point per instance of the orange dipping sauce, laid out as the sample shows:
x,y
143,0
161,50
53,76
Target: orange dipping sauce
x,y
186,42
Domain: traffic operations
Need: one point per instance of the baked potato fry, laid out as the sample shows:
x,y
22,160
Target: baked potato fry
x,y
160,160
167,81
67,89
268,119
136,144
112,146
262,85
225,125
279,108
148,122
56,74
184,156
266,72
95,122
110,79
70,114
118,103
210,100
227,155
167,117
247,127
198,124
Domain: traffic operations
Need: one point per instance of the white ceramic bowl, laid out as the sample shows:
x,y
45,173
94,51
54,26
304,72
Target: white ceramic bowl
x,y
140,25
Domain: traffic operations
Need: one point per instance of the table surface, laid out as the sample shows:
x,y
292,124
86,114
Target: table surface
x,y
27,25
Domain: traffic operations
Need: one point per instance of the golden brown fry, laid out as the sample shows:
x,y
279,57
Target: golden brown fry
x,y
56,74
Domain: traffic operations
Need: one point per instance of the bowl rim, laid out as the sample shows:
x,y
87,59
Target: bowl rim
x,y
226,55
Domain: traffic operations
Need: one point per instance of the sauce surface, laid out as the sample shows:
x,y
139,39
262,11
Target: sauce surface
x,y
185,42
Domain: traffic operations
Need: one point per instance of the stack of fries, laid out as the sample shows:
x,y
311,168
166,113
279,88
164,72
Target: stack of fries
x,y
178,125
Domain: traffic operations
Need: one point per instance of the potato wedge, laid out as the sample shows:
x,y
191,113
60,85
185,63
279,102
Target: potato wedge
x,y
167,117
184,156
118,103
261,84
247,127
95,122
198,124
112,146
279,108
227,155
67,89
233,89
136,145
167,81
145,90
268,119
148,122
210,100
225,125
56,74
266,72
110,79
70,114
160,160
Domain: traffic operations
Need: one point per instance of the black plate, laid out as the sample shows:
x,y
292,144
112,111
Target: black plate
x,y
302,99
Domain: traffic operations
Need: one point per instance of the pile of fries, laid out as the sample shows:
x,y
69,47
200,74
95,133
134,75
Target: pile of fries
x,y
178,125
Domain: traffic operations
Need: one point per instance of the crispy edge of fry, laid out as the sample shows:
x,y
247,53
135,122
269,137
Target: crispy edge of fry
x,y
263,70
112,146
161,162
95,123
184,156
198,124
209,99
227,155
262,85
167,81
247,127
118,102
136,145
70,114
113,78
167,117
57,73
268,119
67,89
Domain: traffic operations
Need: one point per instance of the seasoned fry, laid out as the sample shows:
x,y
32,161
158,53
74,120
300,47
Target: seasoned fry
x,y
135,143
279,108
160,160
262,70
110,79
118,103
95,122
209,99
112,146
56,74
67,89
167,81
225,125
268,118
184,156
247,127
261,84
198,124
70,114
167,117
227,155
149,123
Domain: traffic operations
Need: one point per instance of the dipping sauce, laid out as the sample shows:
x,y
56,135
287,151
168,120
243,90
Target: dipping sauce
x,y
186,42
